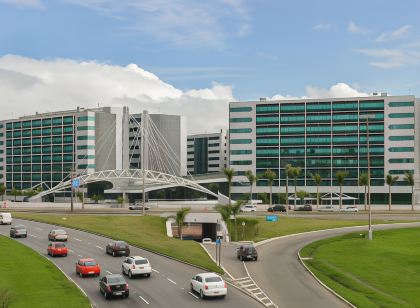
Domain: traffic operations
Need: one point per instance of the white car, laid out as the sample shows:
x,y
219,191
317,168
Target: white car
x,y
249,208
138,206
208,284
5,219
136,265
327,208
206,240
351,209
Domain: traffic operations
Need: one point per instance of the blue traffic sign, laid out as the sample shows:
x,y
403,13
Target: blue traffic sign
x,y
75,183
218,241
272,218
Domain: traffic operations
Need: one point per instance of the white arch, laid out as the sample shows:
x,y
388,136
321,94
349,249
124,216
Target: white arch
x,y
153,180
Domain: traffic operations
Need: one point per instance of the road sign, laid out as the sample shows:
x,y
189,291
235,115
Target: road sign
x,y
219,233
218,241
75,183
272,218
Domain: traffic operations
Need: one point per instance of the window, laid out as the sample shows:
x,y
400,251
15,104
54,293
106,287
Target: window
x,y
400,171
401,160
86,118
240,152
86,167
86,128
240,131
318,118
370,105
46,131
318,140
68,120
401,104
85,137
345,117
267,152
344,106
240,109
292,107
267,130
318,107
267,109
292,130
57,121
46,122
36,123
240,120
240,141
267,141
401,126
241,162
401,115
401,138
318,129
292,119
267,120
345,139
292,140
57,131
402,149
85,147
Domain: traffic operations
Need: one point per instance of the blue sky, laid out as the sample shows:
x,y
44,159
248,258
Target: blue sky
x,y
259,48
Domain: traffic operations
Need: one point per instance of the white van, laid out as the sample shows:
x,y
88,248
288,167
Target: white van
x,y
5,219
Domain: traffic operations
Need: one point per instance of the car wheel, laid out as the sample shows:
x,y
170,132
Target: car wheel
x,y
148,275
130,275
241,258
81,275
106,295
113,253
256,258
191,288
202,296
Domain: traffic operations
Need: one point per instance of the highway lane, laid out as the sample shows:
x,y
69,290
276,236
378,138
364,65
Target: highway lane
x,y
286,282
167,287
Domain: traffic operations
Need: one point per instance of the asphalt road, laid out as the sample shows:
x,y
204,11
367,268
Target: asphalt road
x,y
280,274
168,286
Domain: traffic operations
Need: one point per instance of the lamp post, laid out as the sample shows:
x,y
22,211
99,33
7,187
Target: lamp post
x,y
243,230
367,117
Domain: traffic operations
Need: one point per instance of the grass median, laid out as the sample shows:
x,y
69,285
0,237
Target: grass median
x,y
384,272
258,229
148,232
29,280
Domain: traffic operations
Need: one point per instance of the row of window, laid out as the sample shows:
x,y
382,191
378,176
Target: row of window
x,y
328,151
38,141
39,132
39,150
39,159
319,140
36,177
40,122
39,168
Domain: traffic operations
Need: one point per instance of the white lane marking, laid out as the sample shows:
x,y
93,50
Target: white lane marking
x,y
77,239
99,247
182,288
144,300
171,280
108,272
79,256
89,243
155,271
31,235
193,295
243,278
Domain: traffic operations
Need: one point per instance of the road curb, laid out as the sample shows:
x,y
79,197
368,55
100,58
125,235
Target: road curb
x,y
107,237
323,284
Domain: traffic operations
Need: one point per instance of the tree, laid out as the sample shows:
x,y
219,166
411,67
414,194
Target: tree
x,y
301,194
120,200
270,175
180,219
283,199
229,173
251,179
295,171
390,180
288,172
316,177
30,193
263,197
79,195
15,192
409,178
225,211
236,207
364,181
341,176
2,190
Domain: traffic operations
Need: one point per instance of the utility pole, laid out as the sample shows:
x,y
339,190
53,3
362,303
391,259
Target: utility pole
x,y
144,151
72,189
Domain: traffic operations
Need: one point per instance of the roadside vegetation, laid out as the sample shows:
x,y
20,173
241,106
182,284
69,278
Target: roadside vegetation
x,y
383,272
29,280
148,232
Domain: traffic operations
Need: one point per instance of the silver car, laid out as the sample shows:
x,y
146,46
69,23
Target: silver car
x,y
18,231
57,235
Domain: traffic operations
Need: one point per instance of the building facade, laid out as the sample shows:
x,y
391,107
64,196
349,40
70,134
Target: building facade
x,y
207,153
43,149
326,136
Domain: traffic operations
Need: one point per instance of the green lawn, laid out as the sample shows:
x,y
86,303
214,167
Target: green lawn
x,y
384,272
257,229
32,281
148,232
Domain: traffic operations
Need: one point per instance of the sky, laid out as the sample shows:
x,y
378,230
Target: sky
x,y
192,57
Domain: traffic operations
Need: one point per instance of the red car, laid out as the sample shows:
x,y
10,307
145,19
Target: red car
x,y
85,267
57,249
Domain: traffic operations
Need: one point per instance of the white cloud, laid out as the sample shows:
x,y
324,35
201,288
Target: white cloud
x,y
392,58
396,34
24,3
183,23
335,91
353,28
49,85
322,27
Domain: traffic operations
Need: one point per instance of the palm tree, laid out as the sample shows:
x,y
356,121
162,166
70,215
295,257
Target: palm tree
x,y
295,173
180,219
390,180
2,190
288,172
409,178
270,175
15,192
341,176
225,211
251,178
229,173
301,194
235,208
316,177
364,181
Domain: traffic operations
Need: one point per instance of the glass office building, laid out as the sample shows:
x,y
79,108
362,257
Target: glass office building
x,y
326,136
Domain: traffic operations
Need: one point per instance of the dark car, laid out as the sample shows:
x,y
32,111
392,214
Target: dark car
x,y
306,207
18,231
113,285
116,248
276,208
247,252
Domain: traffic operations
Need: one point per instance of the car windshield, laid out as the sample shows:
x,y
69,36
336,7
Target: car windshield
x,y
115,280
60,232
20,227
59,245
213,279
90,263
121,245
143,261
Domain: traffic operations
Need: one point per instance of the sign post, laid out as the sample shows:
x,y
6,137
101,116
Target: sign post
x,y
243,230
272,218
